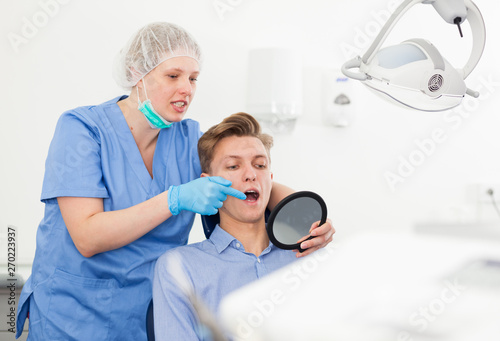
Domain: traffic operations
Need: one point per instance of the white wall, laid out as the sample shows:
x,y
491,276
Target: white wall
x,y
66,62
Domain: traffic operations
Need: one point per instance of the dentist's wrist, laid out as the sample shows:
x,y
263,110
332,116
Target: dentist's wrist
x,y
173,200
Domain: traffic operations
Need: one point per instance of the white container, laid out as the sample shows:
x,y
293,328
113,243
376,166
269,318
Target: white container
x,y
274,93
338,99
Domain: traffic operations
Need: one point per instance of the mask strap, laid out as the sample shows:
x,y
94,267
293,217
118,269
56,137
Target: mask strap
x,y
145,92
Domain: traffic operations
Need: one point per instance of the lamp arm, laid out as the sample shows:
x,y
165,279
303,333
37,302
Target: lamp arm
x,y
384,32
474,17
478,29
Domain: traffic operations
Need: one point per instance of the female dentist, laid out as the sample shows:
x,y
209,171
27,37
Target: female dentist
x,y
121,187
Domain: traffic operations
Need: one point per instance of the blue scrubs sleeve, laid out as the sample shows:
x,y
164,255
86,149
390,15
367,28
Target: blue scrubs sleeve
x,y
73,166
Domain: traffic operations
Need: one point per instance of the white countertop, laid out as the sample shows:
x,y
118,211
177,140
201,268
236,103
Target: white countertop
x,y
376,286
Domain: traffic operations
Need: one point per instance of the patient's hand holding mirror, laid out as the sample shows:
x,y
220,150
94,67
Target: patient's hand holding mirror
x,y
290,221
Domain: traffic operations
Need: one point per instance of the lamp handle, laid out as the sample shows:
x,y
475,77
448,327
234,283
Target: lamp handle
x,y
353,63
478,29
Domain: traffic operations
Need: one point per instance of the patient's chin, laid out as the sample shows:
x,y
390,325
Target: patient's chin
x,y
246,216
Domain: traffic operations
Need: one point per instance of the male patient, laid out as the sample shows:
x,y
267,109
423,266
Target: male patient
x,y
238,251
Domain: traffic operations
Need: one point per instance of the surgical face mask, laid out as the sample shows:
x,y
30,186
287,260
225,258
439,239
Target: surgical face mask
x,y
146,107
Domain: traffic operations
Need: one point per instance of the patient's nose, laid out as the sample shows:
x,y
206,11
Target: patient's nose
x,y
249,174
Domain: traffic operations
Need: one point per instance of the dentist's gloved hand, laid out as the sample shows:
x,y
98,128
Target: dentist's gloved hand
x,y
204,195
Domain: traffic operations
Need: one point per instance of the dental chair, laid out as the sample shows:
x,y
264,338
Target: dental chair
x,y
150,325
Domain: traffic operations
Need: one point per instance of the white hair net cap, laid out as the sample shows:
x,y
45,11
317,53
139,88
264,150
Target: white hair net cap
x,y
148,48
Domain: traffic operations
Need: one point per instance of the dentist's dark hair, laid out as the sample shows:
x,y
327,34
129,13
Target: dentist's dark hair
x,y
239,124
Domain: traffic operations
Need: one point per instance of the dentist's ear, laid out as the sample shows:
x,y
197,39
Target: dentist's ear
x,y
140,84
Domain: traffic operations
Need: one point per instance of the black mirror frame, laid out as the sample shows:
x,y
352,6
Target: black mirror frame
x,y
280,205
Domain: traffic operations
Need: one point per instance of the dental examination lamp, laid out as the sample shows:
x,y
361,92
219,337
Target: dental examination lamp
x,y
413,73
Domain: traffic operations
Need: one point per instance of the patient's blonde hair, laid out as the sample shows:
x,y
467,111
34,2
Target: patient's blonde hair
x,y
239,124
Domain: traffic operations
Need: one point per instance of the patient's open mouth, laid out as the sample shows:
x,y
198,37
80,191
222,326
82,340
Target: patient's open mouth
x,y
252,195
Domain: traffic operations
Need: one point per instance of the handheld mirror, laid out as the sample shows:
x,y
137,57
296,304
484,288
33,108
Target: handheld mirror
x,y
290,221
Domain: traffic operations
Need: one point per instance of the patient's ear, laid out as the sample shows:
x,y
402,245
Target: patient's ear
x,y
271,175
203,175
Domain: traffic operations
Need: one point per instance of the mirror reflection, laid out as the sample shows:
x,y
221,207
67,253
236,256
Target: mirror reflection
x,y
290,221
294,220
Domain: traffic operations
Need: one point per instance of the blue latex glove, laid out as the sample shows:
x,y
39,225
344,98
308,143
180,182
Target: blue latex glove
x,y
204,195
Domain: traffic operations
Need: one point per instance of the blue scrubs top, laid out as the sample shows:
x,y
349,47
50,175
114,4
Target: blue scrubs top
x,y
104,297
